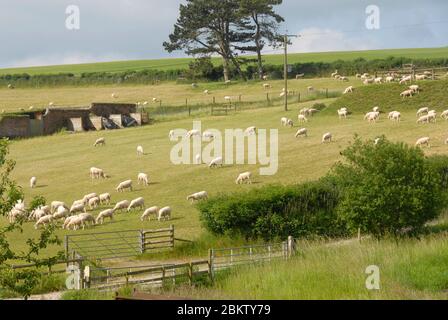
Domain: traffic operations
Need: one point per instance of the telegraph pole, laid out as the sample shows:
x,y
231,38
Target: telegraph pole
x,y
285,71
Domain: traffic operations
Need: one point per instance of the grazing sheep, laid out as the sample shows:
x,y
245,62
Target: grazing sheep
x,y
137,203
422,111
164,214
108,213
33,182
140,151
215,162
89,196
310,89
390,79
342,113
312,111
415,88
114,95
97,173
67,221
368,81
197,196
244,177
372,116
376,109
250,131
80,207
301,132
228,98
206,92
287,122
60,213
124,185
343,79
378,80
155,100
421,77
56,204
105,198
265,77
208,135
406,79
267,86
10,86
424,119
302,118
348,90
43,221
36,214
193,133
334,74
327,137
407,93
148,212
100,142
122,205
143,178
423,141
94,203
394,116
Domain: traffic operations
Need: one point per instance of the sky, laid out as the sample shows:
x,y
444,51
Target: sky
x,y
34,32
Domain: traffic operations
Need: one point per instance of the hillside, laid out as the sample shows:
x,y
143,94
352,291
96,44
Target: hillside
x,y
434,95
181,63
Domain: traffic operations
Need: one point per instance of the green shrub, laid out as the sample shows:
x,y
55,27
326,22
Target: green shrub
x,y
387,188
274,212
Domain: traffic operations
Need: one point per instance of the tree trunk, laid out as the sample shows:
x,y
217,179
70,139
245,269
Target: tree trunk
x,y
225,64
260,64
238,67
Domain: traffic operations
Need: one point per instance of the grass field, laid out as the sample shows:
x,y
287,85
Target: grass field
x,y
171,94
182,63
61,162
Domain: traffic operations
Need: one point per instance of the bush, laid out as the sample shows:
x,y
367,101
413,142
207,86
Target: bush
x,y
387,188
274,212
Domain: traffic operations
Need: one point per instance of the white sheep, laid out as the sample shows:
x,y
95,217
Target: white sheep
x,y
108,213
164,214
45,220
137,203
193,133
420,77
348,90
124,185
114,95
148,212
424,119
97,173
342,113
376,109
33,182
197,196
423,141
60,213
287,122
302,118
266,86
105,198
56,204
206,92
415,88
394,116
327,137
406,79
444,115
301,132
422,111
368,81
310,89
78,208
140,151
372,116
390,79
215,162
407,93
100,142
143,178
122,205
89,196
244,177
250,131
94,203
378,80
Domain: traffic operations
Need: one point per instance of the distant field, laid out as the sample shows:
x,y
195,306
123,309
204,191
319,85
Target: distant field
x,y
181,63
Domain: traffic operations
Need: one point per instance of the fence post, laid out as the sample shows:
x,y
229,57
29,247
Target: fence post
x,y
190,274
299,97
66,248
291,246
142,242
433,74
172,235
210,264
326,93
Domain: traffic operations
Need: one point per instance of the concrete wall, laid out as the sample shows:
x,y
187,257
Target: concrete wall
x,y
56,119
106,109
15,127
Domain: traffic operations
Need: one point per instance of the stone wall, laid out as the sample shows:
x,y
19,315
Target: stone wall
x,y
56,119
106,109
14,127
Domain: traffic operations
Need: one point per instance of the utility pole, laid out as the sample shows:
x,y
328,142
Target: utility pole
x,y
285,71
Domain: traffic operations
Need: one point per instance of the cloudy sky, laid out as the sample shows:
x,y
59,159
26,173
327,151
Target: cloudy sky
x,y
33,32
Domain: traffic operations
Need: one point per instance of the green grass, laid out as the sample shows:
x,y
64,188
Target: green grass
x,y
387,96
409,269
171,94
275,59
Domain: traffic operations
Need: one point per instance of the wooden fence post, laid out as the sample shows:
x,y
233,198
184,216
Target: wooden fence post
x,y
326,93
299,97
142,242
172,235
210,264
190,274
66,248
291,246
